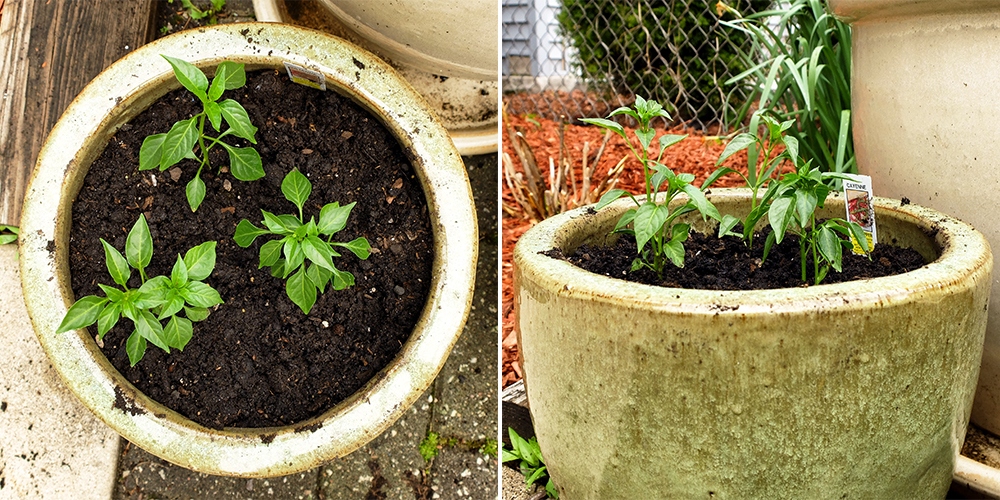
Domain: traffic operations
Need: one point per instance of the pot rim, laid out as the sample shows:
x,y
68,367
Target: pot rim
x,y
964,252
103,106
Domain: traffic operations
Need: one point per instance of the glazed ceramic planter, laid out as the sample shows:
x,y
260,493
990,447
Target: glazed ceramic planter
x,y
128,87
447,49
925,128
859,389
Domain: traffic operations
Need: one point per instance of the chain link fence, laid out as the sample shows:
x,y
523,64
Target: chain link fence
x,y
585,58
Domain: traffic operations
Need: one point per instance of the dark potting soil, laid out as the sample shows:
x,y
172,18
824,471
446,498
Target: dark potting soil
x,y
713,263
257,360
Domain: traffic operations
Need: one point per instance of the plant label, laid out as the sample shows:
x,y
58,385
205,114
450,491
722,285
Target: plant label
x,y
304,76
860,210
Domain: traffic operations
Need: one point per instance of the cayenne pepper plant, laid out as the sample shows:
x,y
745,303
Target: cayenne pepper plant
x,y
652,222
158,298
302,241
797,196
165,150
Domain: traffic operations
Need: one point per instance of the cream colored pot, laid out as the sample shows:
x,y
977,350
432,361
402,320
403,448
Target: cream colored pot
x,y
131,85
924,94
859,389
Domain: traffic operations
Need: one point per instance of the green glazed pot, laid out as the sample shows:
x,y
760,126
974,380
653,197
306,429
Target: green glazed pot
x,y
859,389
131,85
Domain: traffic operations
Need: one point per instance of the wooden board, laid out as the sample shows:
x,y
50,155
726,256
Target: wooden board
x,y
49,51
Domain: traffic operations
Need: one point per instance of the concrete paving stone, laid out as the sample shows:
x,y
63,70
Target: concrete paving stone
x,y
145,476
472,475
51,446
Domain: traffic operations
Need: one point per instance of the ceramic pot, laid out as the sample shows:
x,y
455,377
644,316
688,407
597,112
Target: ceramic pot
x,y
447,49
859,389
925,127
128,87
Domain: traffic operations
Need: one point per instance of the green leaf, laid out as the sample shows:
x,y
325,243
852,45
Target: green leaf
x,y
270,252
151,151
108,319
236,76
150,328
319,276
245,163
246,232
296,188
609,197
238,120
195,193
196,313
139,244
199,294
736,145
829,247
156,289
668,140
318,251
342,279
180,140
701,203
190,76
218,85
726,226
178,332
135,346
83,313
278,269
649,219
645,136
214,113
113,294
805,205
179,274
301,291
200,261
333,217
359,246
171,307
275,224
534,474
606,124
294,256
780,215
117,265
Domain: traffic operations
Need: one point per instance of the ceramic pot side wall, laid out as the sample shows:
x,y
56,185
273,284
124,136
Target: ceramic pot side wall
x,y
132,84
924,94
861,389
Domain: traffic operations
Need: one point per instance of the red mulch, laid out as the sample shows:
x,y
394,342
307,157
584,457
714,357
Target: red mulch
x,y
697,155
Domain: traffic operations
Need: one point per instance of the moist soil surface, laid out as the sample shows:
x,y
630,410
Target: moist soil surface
x,y
713,263
257,360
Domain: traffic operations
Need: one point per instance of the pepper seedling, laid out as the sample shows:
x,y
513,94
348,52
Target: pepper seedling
x,y
652,222
300,241
157,299
165,150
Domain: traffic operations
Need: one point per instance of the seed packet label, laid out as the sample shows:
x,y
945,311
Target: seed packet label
x,y
860,209
304,76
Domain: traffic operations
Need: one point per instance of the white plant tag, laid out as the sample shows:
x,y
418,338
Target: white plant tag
x,y
860,208
304,76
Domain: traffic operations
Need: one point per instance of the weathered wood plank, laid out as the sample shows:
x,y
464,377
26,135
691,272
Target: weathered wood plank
x,y
50,50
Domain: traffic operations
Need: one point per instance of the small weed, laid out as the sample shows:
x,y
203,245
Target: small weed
x,y
429,446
